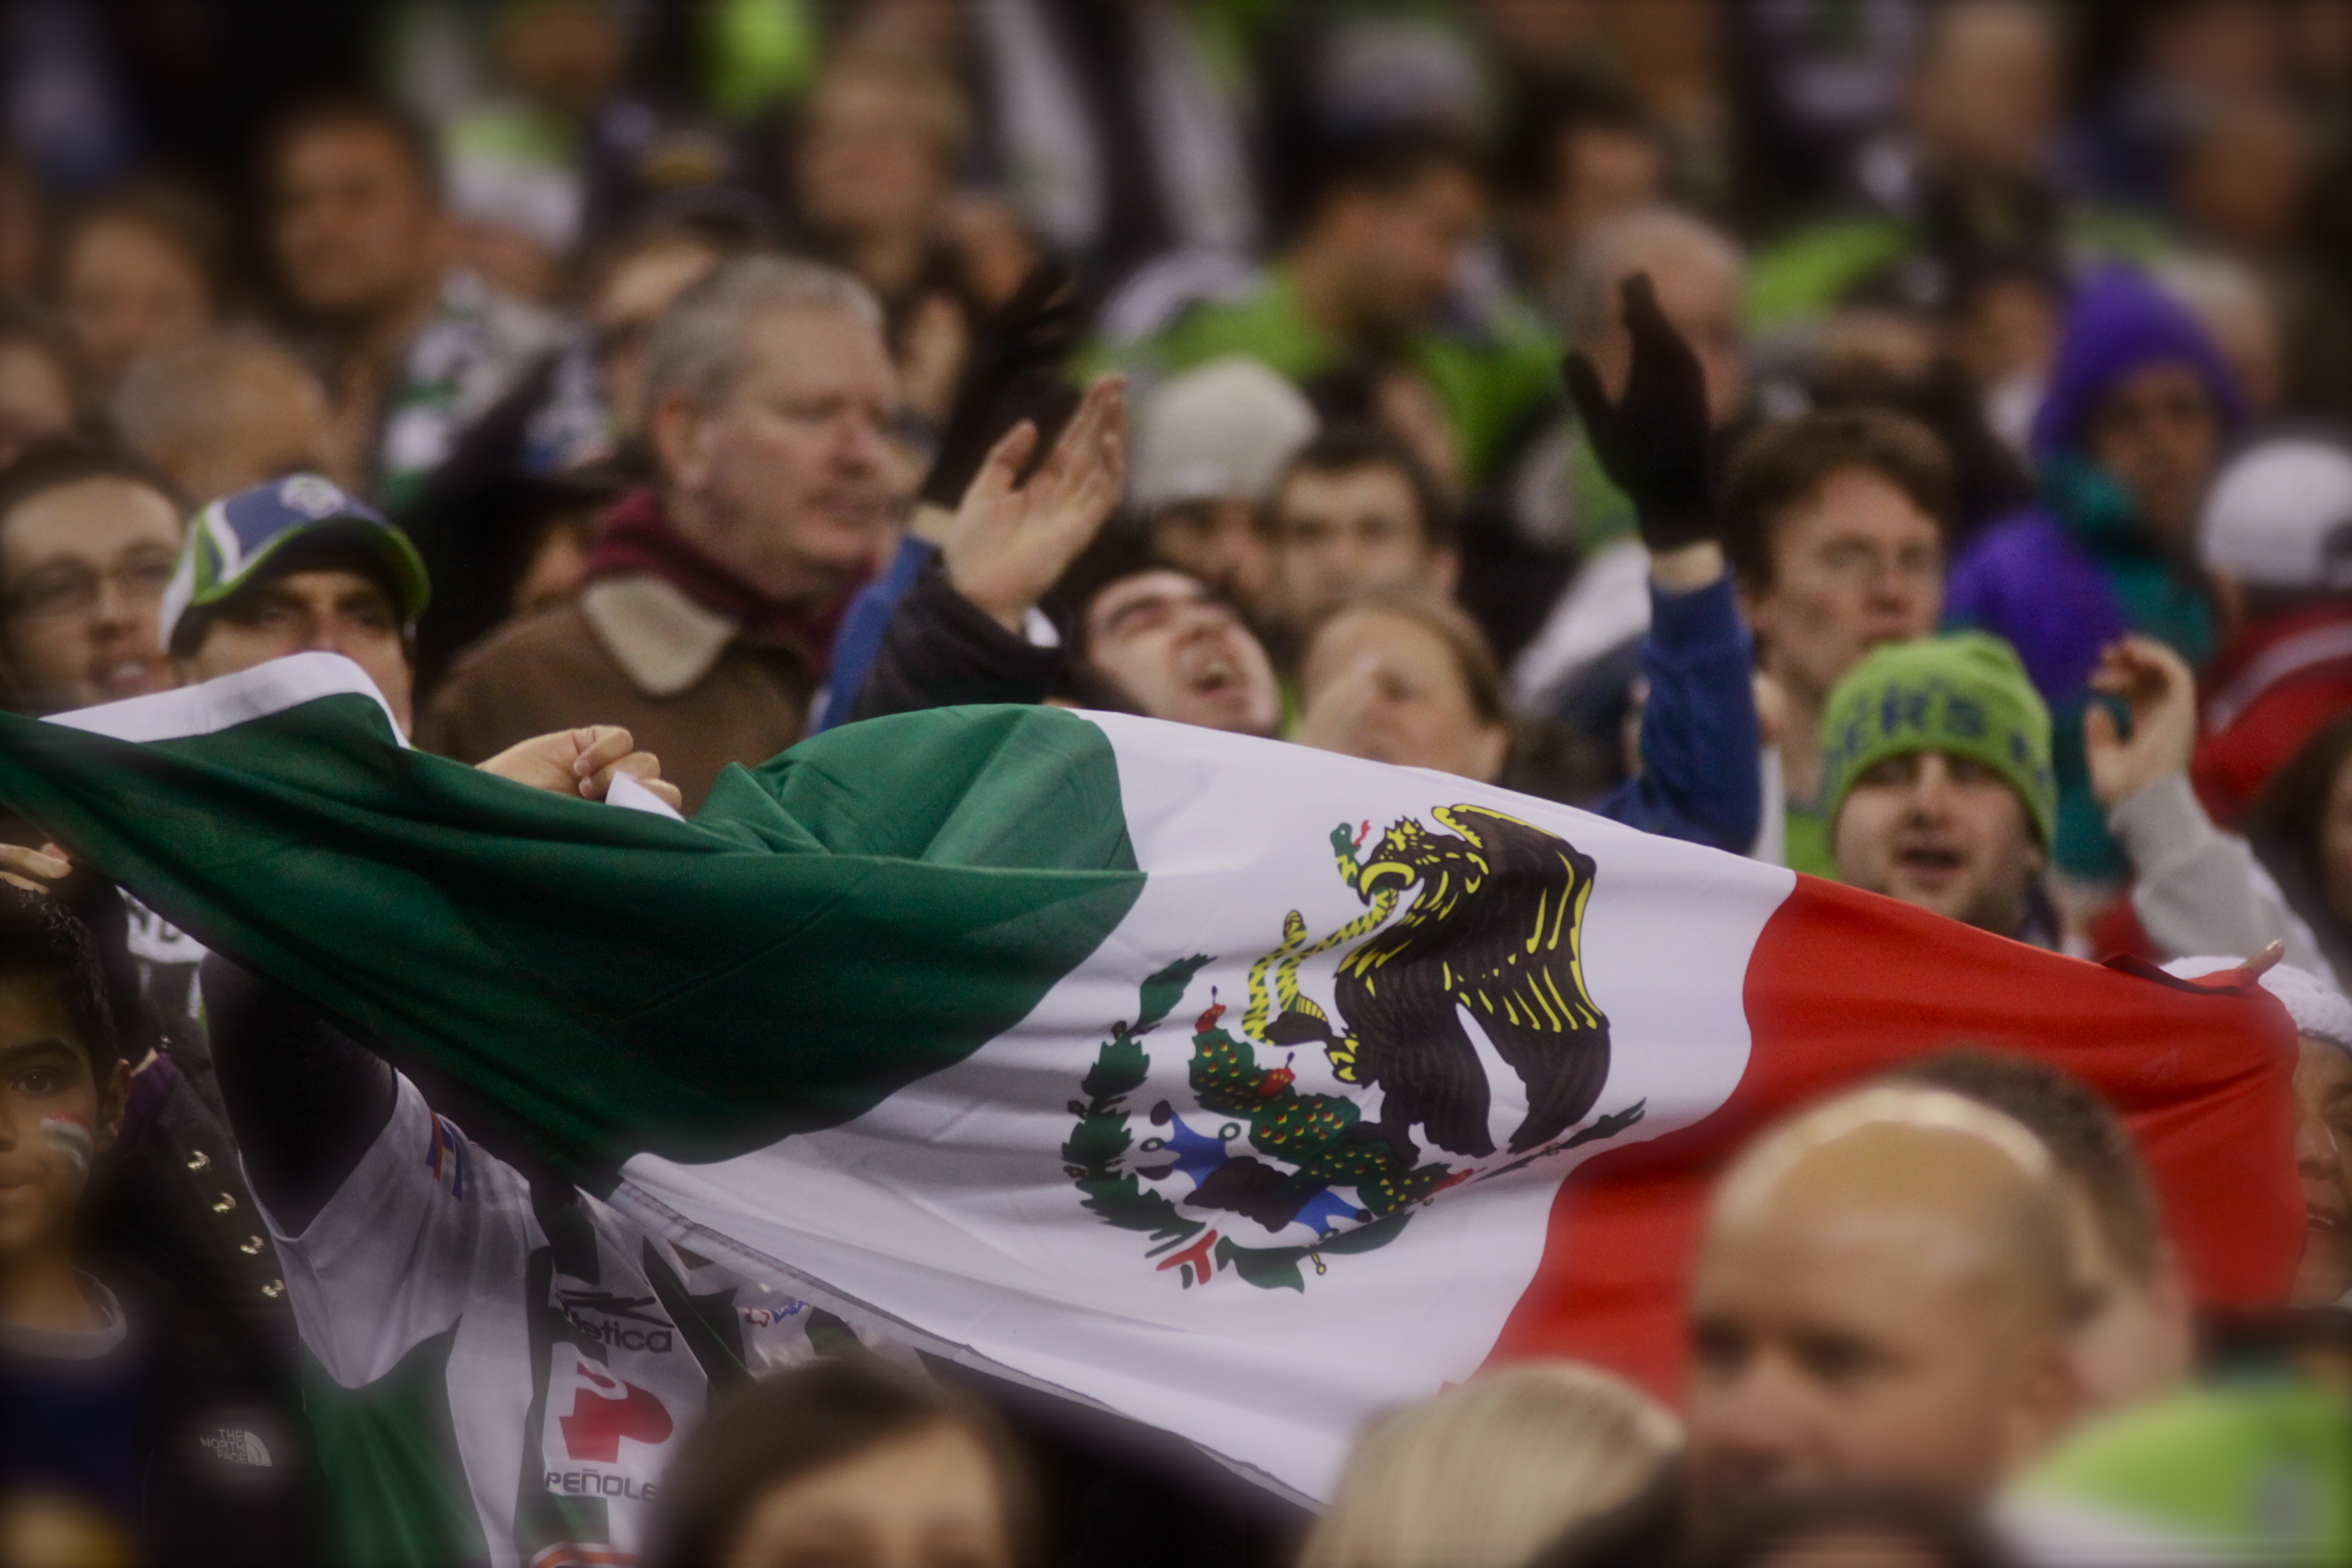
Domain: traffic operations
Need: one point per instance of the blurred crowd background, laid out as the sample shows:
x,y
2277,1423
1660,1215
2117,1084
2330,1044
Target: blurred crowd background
x,y
417,247
2021,316
1903,190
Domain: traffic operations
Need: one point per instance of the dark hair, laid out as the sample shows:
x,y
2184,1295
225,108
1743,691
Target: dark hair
x,y
331,546
1773,1527
1782,466
773,1432
1347,445
2289,818
1119,551
1389,161
42,937
2081,1130
1529,159
27,325
347,111
183,220
1474,657
2293,806
62,460
1990,480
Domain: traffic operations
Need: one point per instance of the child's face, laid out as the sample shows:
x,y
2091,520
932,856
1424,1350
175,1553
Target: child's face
x,y
56,1116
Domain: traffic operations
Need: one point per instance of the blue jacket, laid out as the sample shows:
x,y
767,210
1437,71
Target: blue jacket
x,y
1701,778
859,642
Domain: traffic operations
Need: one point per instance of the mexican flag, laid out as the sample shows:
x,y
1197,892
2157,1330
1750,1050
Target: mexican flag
x,y
1240,1088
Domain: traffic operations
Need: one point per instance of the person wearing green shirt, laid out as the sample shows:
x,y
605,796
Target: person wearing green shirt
x,y
1836,525
2253,1471
1375,278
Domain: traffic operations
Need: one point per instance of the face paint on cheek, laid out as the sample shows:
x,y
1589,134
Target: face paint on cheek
x,y
70,1137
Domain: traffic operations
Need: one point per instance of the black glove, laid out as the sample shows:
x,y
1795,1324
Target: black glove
x,y
1017,369
1654,443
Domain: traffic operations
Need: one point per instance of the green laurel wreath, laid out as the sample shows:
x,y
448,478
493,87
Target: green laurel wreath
x,y
1101,1138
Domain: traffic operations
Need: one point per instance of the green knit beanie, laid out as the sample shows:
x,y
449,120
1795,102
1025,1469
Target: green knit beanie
x,y
1964,694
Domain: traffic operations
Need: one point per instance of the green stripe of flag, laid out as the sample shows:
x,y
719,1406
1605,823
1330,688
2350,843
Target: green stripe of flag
x,y
871,906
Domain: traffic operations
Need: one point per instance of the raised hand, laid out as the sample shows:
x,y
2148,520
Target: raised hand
x,y
582,762
2157,691
1652,442
1009,542
1341,713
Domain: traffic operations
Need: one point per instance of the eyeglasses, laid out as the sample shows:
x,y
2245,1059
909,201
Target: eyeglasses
x,y
1859,558
67,589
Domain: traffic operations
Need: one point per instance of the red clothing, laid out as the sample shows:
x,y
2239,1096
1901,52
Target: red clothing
x,y
702,670
636,538
2278,682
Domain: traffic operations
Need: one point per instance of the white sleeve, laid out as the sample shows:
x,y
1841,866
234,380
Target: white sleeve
x,y
2198,889
425,1225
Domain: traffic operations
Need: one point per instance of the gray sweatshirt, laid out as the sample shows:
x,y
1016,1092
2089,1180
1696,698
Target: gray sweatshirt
x,y
2200,890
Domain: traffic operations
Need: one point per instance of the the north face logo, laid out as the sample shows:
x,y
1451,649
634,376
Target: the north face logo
x,y
234,1445
604,1411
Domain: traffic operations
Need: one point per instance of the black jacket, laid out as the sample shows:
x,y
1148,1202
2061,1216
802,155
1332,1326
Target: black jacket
x,y
941,649
173,1199
220,1461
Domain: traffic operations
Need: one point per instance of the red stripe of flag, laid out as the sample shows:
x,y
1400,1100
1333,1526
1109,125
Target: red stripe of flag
x,y
1844,984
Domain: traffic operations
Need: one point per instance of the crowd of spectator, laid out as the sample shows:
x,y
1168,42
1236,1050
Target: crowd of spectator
x,y
1906,441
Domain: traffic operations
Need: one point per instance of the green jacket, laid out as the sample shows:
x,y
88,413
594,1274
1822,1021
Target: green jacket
x,y
1487,376
1807,273
2243,1473
1807,845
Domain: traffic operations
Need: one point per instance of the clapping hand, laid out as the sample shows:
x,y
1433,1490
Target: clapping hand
x,y
1009,542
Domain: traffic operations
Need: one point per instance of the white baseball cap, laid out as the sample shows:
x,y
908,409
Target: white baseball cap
x,y
1221,431
2281,516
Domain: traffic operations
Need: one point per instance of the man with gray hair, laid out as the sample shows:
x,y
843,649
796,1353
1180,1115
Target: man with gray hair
x,y
713,595
1696,269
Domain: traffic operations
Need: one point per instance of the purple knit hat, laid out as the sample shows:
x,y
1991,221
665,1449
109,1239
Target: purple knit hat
x,y
2117,322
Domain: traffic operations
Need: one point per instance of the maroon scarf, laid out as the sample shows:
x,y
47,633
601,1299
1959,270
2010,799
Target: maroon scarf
x,y
636,539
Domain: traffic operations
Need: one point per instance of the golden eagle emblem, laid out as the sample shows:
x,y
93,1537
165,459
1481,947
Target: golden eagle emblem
x,y
1467,952
1494,932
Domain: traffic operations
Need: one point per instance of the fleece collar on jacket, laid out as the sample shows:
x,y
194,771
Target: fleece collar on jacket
x,y
2117,323
665,611
664,641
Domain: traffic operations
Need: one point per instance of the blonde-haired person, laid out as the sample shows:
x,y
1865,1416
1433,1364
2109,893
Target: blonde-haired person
x,y
1488,1474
